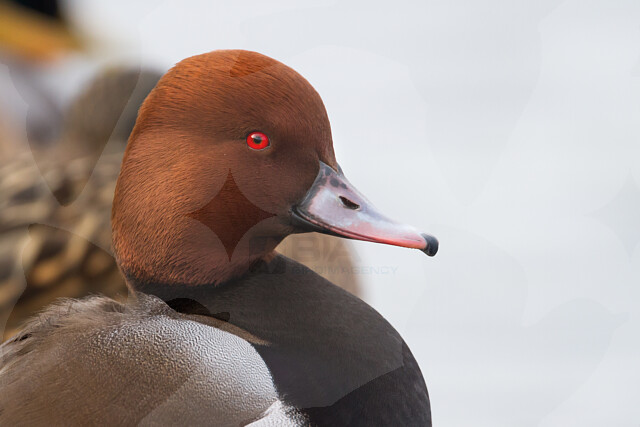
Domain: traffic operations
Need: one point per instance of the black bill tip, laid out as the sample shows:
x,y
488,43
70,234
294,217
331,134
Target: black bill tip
x,y
432,245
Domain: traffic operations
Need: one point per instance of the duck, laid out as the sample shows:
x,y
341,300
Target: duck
x,y
231,153
66,237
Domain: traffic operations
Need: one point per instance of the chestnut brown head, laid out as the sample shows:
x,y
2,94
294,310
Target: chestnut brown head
x,y
230,154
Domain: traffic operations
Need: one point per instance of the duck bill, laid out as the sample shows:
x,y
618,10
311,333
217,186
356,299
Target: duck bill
x,y
334,206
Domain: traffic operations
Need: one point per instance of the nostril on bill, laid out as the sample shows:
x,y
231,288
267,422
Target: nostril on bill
x,y
349,204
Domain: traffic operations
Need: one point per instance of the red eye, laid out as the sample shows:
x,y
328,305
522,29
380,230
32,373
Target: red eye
x,y
257,140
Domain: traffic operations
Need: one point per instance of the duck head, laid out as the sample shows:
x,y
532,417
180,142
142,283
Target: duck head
x,y
232,152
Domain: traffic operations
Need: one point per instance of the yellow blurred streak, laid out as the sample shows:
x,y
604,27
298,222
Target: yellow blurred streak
x,y
31,36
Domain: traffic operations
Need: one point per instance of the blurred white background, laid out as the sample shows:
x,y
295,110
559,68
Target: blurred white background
x,y
510,130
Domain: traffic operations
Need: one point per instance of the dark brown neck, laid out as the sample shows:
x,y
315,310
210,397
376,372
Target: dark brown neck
x,y
172,290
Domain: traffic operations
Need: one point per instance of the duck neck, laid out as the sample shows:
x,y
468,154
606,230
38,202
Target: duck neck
x,y
193,267
168,291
